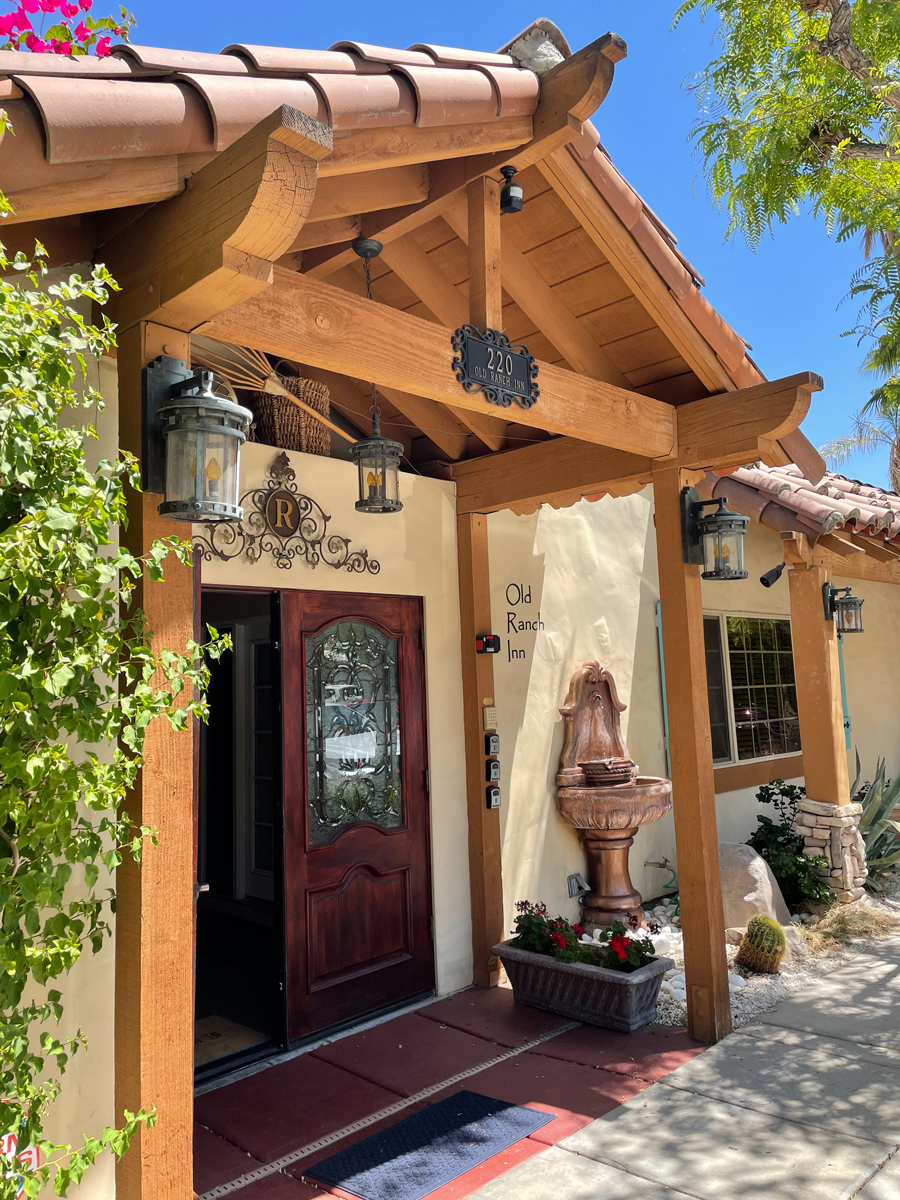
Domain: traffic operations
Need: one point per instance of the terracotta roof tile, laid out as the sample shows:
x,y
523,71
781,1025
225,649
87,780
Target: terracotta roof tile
x,y
363,101
729,346
236,105
382,54
282,58
150,58
24,158
453,57
22,62
447,96
517,90
122,118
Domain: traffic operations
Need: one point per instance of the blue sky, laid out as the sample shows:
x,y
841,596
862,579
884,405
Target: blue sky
x,y
785,298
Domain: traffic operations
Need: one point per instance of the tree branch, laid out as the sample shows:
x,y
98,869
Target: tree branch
x,y
848,146
13,843
838,44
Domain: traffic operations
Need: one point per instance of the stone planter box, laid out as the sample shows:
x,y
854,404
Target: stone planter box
x,y
595,995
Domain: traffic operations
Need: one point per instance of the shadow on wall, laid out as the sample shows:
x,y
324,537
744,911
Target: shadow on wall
x,y
568,586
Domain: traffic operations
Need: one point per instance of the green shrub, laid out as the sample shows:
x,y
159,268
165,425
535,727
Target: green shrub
x,y
782,848
880,832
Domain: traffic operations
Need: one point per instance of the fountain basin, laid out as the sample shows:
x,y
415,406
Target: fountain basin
x,y
622,806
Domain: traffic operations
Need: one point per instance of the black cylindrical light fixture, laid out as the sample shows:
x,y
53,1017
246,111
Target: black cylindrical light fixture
x,y
772,576
203,437
722,534
512,197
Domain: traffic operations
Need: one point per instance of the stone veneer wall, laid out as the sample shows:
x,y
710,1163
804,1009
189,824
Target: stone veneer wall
x,y
833,831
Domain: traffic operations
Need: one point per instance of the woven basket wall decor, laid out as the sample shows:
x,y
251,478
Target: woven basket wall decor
x,y
280,423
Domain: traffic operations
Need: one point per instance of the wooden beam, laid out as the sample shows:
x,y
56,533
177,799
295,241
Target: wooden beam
x,y
354,399
483,219
371,191
314,322
570,93
485,880
411,264
325,233
876,548
371,149
818,675
559,471
115,184
214,244
154,1031
723,429
693,785
537,300
616,243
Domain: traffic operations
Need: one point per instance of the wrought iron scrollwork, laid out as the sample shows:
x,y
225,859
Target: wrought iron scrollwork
x,y
499,341
299,529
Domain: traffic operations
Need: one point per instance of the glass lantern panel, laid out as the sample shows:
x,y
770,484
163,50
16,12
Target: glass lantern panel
x,y
201,465
723,553
849,618
352,730
378,477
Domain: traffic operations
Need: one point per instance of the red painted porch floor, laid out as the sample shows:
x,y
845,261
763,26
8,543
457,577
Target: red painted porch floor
x,y
578,1075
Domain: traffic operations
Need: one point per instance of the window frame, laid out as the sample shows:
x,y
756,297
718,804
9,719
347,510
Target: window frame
x,y
722,616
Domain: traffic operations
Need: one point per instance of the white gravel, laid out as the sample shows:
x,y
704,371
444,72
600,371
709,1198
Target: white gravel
x,y
760,993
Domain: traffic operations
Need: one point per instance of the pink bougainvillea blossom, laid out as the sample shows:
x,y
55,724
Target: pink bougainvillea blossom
x,y
35,45
82,32
68,10
49,5
30,6
20,19
85,4
63,47
51,34
103,47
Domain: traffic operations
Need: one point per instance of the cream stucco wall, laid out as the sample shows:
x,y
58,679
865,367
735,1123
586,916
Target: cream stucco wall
x,y
417,552
581,583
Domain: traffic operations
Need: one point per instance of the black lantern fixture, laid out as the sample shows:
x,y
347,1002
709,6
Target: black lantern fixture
x,y
512,197
842,607
377,458
714,541
192,442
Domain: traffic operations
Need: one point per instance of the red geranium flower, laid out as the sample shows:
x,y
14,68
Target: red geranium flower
x,y
559,939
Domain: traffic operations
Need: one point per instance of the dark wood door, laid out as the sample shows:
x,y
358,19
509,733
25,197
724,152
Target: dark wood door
x,y
357,857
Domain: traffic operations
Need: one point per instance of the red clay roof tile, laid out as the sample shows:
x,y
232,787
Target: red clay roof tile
x,y
383,54
85,66
120,118
24,158
237,105
446,96
171,61
364,101
517,90
729,346
454,57
283,58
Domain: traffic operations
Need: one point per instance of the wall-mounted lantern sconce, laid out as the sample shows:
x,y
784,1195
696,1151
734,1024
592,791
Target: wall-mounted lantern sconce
x,y
512,196
377,458
843,607
772,576
191,443
714,541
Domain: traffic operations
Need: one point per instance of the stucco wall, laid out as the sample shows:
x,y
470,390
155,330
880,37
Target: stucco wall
x,y
417,552
581,583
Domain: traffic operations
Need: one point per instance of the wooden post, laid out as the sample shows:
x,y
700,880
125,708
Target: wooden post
x,y
155,903
485,294
690,749
818,674
485,882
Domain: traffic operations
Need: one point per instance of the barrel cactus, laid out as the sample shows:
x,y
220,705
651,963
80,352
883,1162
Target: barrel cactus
x,y
762,947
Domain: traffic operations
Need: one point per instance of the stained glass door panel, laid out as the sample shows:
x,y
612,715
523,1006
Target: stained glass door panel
x,y
353,752
357,857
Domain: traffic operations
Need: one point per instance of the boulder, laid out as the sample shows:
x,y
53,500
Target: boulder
x,y
748,886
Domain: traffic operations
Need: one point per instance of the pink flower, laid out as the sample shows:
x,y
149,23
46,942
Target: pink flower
x,y
19,20
63,48
68,10
30,6
35,45
82,32
49,5
85,4
7,25
103,47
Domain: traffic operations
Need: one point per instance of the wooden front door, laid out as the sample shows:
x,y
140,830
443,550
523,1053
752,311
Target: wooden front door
x,y
357,856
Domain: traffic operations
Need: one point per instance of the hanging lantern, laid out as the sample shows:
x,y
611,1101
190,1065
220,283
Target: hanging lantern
x,y
715,540
203,436
377,458
843,607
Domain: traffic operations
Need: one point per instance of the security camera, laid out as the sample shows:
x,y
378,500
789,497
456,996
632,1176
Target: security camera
x,y
772,576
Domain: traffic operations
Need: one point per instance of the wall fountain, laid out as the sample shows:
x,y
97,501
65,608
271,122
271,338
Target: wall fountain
x,y
602,796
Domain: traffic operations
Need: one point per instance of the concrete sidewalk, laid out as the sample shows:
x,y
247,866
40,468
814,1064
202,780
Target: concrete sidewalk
x,y
803,1105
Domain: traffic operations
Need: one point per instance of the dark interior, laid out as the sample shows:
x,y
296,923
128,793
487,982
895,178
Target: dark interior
x,y
240,934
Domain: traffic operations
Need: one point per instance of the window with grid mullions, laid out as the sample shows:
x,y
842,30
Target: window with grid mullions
x,y
752,692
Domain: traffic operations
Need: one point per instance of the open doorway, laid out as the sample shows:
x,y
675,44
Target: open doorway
x,y
240,1000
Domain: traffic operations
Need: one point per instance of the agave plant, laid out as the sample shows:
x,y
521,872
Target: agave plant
x,y
880,831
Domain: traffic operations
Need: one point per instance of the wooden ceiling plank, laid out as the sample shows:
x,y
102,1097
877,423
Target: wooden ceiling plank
x,y
570,93
325,233
537,301
616,244
560,470
371,191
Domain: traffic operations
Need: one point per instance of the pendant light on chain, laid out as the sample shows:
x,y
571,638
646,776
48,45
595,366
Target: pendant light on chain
x,y
377,458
